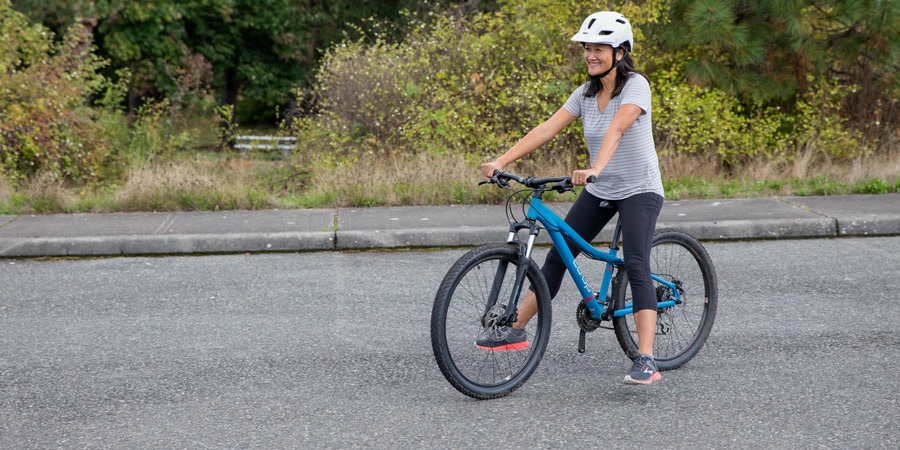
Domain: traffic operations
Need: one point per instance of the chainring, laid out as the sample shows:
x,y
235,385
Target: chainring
x,y
584,319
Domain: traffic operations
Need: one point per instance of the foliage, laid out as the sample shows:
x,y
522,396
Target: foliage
x,y
422,99
152,137
226,128
455,85
254,52
46,127
774,52
473,85
705,120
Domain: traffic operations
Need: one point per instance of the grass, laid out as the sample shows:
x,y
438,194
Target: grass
x,y
209,181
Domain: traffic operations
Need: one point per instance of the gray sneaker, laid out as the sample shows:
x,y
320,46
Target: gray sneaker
x,y
504,338
643,371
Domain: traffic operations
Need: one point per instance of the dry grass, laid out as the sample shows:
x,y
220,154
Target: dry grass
x,y
394,180
397,180
224,182
42,194
5,191
424,180
197,184
806,165
776,178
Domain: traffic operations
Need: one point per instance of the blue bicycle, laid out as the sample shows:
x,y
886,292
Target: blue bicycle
x,y
479,296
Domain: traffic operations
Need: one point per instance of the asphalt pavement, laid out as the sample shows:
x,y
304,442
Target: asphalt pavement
x,y
418,226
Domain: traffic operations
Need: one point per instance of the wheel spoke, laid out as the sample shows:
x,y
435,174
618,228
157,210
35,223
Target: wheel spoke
x,y
463,301
679,259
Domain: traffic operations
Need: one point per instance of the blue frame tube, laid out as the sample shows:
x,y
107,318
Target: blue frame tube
x,y
559,231
628,309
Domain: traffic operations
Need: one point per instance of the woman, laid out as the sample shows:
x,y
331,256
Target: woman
x,y
614,106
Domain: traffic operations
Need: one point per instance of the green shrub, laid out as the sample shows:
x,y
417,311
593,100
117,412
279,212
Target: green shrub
x,y
705,120
153,136
874,186
469,85
819,126
474,85
700,120
46,125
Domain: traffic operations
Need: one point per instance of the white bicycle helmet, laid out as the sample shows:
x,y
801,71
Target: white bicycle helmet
x,y
606,27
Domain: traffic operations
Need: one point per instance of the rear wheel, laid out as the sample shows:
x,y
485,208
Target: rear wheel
x,y
681,330
463,312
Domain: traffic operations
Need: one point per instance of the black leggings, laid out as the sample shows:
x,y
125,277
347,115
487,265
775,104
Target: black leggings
x,y
638,214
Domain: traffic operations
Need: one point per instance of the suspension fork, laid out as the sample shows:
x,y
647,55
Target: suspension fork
x,y
522,264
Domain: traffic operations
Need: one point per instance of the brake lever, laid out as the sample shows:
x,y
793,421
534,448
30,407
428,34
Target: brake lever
x,y
494,180
567,186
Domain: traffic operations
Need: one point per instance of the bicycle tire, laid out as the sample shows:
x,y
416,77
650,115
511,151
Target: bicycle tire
x,y
456,323
683,329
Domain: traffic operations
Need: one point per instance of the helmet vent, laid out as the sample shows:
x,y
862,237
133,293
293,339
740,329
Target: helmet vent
x,y
622,21
591,24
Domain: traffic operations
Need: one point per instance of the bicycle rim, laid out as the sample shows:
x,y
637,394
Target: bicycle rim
x,y
681,330
456,324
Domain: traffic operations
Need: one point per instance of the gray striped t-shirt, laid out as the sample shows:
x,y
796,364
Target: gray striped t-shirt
x,y
634,168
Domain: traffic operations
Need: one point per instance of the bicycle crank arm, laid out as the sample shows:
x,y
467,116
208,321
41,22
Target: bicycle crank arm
x,y
581,341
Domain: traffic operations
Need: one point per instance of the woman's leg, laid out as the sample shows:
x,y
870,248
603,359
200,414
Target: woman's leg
x,y
639,214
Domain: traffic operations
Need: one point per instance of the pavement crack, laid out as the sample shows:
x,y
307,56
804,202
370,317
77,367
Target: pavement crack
x,y
170,220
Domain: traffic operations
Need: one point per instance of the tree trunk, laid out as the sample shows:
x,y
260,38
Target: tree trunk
x,y
232,88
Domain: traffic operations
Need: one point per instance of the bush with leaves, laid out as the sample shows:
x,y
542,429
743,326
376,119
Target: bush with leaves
x,y
474,85
455,85
775,53
46,124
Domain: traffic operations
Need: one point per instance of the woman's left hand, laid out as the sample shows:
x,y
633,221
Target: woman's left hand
x,y
580,177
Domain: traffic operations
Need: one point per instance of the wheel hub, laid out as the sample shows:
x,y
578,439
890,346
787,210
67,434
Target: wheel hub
x,y
492,323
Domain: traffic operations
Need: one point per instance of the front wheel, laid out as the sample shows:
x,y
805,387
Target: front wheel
x,y
465,312
681,330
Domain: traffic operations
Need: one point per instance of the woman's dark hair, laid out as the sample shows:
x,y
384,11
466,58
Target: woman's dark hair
x,y
624,70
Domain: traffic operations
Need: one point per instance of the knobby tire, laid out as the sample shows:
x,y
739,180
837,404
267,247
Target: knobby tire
x,y
683,329
456,323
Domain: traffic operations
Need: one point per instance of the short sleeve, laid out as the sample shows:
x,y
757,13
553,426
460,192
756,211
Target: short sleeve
x,y
573,104
637,92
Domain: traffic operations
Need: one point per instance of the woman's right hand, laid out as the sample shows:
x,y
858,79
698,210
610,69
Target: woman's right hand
x,y
488,169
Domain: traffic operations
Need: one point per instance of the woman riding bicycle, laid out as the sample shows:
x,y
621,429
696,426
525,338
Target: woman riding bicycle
x,y
614,106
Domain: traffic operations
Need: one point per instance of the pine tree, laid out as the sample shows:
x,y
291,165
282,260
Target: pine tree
x,y
768,52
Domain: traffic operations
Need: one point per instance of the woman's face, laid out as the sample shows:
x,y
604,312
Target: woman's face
x,y
599,58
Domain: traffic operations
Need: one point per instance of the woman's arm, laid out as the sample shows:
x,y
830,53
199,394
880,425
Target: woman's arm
x,y
625,116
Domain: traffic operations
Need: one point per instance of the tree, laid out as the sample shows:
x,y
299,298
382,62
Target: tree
x,y
145,37
255,52
769,52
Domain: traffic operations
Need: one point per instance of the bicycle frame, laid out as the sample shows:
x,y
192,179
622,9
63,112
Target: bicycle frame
x,y
486,349
559,232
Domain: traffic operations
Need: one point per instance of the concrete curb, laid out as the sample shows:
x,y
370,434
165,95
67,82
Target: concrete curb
x,y
403,227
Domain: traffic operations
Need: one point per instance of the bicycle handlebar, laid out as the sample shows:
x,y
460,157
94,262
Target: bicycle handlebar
x,y
559,184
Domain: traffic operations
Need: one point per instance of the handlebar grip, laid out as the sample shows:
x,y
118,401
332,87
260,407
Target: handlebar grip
x,y
592,179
